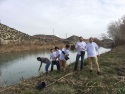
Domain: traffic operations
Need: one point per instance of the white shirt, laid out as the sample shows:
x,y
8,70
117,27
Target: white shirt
x,y
80,46
92,49
52,56
62,56
58,52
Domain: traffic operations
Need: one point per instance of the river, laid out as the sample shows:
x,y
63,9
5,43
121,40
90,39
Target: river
x,y
20,65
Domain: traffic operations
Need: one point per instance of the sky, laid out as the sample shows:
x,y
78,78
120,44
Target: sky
x,y
86,18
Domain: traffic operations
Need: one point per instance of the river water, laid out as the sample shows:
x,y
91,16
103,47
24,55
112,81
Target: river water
x,y
15,66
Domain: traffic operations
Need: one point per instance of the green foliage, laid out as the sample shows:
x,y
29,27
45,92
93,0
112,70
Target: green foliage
x,y
121,90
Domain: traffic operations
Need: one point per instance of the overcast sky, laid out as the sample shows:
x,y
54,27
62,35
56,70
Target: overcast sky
x,y
75,17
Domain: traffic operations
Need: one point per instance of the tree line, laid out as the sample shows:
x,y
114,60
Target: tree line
x,y
116,31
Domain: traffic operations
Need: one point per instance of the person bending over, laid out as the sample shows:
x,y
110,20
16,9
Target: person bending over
x,y
46,61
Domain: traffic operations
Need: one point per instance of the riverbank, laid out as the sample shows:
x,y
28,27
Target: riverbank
x,y
111,80
20,48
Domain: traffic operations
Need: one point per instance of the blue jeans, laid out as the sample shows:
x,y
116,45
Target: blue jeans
x,y
55,63
47,66
77,60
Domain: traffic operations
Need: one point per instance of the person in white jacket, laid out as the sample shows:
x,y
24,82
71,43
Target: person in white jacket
x,y
58,53
92,53
80,47
54,60
64,57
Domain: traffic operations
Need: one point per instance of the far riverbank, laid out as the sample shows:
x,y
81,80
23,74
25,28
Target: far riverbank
x,y
20,48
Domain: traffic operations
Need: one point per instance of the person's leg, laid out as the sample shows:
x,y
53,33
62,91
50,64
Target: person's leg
x,y
76,63
64,65
47,66
58,65
95,59
52,66
82,60
90,62
60,62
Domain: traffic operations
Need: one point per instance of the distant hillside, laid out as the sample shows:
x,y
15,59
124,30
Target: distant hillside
x,y
48,37
73,39
10,35
12,40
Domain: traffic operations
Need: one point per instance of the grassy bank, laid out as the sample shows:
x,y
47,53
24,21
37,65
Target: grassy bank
x,y
111,80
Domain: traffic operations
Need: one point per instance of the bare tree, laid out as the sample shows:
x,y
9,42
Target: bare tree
x,y
116,31
122,28
104,36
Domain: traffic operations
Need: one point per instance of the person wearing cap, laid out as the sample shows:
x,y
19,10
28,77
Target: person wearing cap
x,y
92,54
46,61
64,57
80,47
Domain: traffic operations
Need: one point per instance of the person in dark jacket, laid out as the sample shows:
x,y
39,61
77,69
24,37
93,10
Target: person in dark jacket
x,y
46,61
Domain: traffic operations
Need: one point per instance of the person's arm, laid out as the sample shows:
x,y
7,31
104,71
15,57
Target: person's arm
x,y
63,51
40,65
97,49
76,46
58,54
50,56
86,48
66,52
55,56
66,55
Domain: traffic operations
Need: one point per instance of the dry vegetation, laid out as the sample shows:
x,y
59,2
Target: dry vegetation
x,y
20,48
111,80
116,31
12,40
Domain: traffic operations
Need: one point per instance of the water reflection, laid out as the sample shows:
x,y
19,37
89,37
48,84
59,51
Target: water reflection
x,y
2,83
15,66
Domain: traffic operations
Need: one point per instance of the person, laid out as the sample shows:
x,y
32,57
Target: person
x,y
58,53
64,57
93,53
80,47
46,61
53,59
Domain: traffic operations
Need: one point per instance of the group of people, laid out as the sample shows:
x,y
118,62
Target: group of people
x,y
59,57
